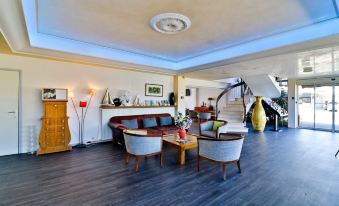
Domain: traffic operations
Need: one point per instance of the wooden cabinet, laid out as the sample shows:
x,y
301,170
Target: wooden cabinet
x,y
54,135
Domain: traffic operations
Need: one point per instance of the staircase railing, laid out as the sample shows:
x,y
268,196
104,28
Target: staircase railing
x,y
227,89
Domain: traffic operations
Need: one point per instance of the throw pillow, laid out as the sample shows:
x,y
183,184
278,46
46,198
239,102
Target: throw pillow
x,y
149,122
217,124
166,121
131,124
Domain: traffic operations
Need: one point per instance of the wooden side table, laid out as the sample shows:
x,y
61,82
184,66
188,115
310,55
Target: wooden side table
x,y
170,140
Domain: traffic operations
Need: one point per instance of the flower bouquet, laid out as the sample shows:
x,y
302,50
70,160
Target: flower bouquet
x,y
183,122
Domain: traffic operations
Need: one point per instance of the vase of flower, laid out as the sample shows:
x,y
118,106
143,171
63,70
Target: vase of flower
x,y
182,133
183,123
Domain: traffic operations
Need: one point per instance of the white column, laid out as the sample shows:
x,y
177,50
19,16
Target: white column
x,y
292,104
180,93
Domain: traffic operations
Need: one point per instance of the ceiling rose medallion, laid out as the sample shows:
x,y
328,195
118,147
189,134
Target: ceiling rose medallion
x,y
170,23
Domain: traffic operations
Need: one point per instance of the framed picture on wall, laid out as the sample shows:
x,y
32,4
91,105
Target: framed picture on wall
x,y
52,94
154,90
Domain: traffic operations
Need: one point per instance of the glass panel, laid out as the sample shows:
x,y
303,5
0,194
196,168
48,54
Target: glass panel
x,y
336,114
323,107
323,63
306,106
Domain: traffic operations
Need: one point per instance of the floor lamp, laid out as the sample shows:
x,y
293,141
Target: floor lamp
x,y
81,119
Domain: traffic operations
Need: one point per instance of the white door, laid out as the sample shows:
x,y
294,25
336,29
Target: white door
x,y
9,98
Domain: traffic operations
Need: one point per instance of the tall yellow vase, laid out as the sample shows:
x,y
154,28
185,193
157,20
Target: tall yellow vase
x,y
258,116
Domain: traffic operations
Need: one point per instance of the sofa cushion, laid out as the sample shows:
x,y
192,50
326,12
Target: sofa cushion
x,y
131,124
208,133
149,122
217,124
166,121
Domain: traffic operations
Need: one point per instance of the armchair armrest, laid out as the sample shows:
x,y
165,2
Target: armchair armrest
x,y
221,129
234,135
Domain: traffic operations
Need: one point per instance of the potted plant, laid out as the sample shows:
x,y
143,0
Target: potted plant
x,y
184,123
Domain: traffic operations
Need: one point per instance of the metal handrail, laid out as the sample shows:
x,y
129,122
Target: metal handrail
x,y
227,89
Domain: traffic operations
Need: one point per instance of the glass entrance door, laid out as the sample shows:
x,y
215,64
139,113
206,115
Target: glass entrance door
x,y
318,105
323,107
306,106
336,107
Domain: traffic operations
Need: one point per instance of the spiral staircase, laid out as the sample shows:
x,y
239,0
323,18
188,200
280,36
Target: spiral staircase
x,y
240,101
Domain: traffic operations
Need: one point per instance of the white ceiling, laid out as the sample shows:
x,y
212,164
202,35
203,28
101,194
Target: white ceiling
x,y
228,38
324,62
216,24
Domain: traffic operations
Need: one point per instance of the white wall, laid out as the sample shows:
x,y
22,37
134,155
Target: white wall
x,y
40,73
204,83
191,101
292,104
204,93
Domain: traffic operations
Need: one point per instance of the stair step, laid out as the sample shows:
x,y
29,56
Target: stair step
x,y
235,103
234,109
238,113
239,119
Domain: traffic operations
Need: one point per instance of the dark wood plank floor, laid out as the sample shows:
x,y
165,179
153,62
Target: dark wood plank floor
x,y
294,167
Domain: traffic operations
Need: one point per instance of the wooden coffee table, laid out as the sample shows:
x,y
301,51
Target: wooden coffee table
x,y
170,140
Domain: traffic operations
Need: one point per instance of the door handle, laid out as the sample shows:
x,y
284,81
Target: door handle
x,y
12,112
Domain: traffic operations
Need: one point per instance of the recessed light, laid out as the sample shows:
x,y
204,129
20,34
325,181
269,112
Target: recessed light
x,y
170,23
307,69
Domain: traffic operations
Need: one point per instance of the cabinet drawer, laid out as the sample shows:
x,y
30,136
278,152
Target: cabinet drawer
x,y
55,121
55,139
56,128
55,109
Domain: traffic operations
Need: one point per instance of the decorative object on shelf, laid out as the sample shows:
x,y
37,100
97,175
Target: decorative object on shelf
x,y
154,90
107,99
172,99
125,99
137,101
52,94
211,106
54,134
184,123
258,116
117,102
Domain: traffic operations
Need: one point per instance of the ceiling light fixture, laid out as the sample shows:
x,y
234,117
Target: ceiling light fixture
x,y
170,23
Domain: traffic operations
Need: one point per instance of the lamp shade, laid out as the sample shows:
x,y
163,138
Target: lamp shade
x,y
83,104
70,94
92,91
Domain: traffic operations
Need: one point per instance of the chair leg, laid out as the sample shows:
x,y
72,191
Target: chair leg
x,y
136,164
224,170
127,159
336,153
161,159
198,163
239,169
